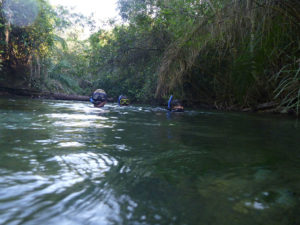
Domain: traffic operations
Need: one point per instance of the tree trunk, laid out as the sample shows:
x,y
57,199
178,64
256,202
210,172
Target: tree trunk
x,y
69,97
43,95
38,72
7,32
30,62
252,37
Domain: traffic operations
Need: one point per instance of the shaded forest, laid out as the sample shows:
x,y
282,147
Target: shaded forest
x,y
229,54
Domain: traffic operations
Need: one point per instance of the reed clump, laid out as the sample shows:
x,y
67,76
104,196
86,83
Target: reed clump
x,y
240,54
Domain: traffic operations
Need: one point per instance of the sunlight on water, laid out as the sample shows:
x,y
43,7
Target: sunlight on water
x,y
80,124
76,117
80,165
70,144
78,120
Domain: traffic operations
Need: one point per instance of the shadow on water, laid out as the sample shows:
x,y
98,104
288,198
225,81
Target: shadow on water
x,y
69,163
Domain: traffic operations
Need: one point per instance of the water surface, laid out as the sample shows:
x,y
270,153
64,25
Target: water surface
x,y
69,163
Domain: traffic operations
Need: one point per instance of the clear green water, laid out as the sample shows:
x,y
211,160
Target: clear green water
x,y
69,163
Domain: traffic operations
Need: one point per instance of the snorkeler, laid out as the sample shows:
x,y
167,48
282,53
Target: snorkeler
x,y
123,100
99,98
175,105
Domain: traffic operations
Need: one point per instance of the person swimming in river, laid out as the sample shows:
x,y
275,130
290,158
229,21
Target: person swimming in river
x,y
123,100
99,98
175,105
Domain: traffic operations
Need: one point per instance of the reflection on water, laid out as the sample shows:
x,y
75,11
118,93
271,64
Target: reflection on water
x,y
69,163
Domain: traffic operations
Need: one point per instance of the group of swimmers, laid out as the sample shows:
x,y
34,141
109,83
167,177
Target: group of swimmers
x,y
99,99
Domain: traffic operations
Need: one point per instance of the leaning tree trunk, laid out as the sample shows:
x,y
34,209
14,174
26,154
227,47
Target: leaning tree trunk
x,y
43,95
7,33
252,36
38,64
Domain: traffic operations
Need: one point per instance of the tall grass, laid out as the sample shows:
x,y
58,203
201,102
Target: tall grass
x,y
243,54
288,89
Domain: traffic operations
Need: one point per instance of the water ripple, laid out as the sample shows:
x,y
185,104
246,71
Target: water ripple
x,y
70,163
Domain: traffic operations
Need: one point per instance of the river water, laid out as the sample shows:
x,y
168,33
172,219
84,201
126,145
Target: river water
x,y
69,163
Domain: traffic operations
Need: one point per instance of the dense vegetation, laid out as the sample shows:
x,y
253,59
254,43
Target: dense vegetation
x,y
231,54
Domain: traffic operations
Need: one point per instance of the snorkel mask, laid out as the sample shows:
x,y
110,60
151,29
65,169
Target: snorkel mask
x,y
98,99
124,101
175,105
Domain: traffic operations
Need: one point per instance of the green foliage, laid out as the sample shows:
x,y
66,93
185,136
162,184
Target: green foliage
x,y
226,53
28,37
125,59
68,64
33,52
233,48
